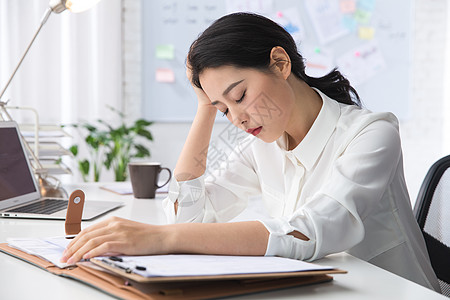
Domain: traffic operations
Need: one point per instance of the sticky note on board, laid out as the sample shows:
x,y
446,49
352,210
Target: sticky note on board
x,y
362,17
366,5
349,22
164,75
166,51
347,6
366,33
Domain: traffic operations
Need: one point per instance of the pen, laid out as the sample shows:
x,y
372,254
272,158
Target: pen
x,y
112,261
115,258
141,268
115,265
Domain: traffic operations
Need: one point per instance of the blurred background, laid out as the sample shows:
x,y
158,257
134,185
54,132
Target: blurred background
x,y
123,61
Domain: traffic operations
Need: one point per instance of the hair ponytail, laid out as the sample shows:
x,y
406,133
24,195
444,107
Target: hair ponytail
x,y
245,40
335,86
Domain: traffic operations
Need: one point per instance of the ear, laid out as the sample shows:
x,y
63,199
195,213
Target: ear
x,y
280,61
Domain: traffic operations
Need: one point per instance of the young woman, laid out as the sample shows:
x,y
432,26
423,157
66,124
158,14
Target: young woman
x,y
330,172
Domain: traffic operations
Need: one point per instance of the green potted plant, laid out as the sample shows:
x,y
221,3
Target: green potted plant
x,y
112,147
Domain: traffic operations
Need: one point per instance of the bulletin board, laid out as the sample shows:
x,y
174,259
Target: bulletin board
x,y
368,40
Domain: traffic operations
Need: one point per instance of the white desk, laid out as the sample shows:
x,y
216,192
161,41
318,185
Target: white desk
x,y
363,281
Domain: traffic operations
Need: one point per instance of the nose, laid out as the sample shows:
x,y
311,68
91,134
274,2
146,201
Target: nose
x,y
243,119
239,117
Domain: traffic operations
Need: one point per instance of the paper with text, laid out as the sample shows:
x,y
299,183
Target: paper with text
x,y
50,249
209,265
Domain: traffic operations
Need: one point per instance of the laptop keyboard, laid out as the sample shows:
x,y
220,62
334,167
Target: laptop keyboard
x,y
45,206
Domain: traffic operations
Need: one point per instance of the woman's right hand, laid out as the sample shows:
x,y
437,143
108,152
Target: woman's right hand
x,y
117,236
203,99
192,161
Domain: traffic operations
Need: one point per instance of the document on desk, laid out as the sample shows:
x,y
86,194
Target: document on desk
x,y
50,249
124,188
207,265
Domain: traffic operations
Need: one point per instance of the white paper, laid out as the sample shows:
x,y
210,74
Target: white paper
x,y
319,61
361,63
125,188
326,18
256,6
206,265
50,249
290,20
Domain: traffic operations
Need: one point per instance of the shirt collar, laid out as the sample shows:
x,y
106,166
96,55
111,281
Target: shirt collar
x,y
309,149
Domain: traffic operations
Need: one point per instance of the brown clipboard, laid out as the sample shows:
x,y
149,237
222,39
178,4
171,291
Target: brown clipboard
x,y
253,276
125,287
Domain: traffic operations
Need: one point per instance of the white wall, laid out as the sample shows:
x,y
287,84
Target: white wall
x,y
73,69
446,110
422,134
169,137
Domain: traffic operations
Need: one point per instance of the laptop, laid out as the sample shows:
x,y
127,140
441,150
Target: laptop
x,y
19,191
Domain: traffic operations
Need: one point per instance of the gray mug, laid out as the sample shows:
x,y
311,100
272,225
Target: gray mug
x,y
144,178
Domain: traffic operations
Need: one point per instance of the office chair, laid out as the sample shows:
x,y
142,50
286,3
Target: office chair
x,y
432,212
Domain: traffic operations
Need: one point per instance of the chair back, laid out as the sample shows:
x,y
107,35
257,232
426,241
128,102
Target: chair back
x,y
432,212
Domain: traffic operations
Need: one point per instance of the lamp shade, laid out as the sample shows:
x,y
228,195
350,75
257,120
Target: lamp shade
x,y
75,6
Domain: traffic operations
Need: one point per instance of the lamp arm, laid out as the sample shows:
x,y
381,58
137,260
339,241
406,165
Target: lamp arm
x,y
43,21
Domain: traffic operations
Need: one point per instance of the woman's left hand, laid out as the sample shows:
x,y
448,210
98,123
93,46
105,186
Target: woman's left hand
x,y
115,236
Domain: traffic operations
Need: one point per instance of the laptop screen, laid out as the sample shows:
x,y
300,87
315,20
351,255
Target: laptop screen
x,y
15,176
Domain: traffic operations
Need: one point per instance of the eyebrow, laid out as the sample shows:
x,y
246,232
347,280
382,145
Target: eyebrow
x,y
230,87
227,90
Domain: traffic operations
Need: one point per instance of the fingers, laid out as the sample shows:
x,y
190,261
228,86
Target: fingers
x,y
87,240
115,235
83,243
86,230
96,247
189,71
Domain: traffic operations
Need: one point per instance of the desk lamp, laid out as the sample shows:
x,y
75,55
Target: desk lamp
x,y
56,6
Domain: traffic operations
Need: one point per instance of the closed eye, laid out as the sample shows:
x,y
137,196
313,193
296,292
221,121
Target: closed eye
x,y
242,98
237,101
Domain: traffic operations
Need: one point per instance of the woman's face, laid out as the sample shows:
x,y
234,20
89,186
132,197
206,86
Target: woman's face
x,y
257,102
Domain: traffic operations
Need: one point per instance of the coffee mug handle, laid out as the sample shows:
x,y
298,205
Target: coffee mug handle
x,y
170,176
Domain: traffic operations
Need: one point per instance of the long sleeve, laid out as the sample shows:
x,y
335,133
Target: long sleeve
x,y
215,198
343,187
332,217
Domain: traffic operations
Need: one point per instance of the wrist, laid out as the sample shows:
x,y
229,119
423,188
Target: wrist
x,y
207,110
168,239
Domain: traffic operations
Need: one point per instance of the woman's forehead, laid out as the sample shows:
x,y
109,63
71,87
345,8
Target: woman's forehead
x,y
227,74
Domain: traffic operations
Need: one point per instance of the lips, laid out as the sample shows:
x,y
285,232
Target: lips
x,y
254,131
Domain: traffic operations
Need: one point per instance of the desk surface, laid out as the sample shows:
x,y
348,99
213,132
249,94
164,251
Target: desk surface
x,y
363,281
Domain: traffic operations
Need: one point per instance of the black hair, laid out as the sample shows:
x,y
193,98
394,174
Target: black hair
x,y
245,40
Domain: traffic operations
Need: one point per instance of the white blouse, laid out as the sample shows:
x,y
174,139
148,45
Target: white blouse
x,y
343,187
